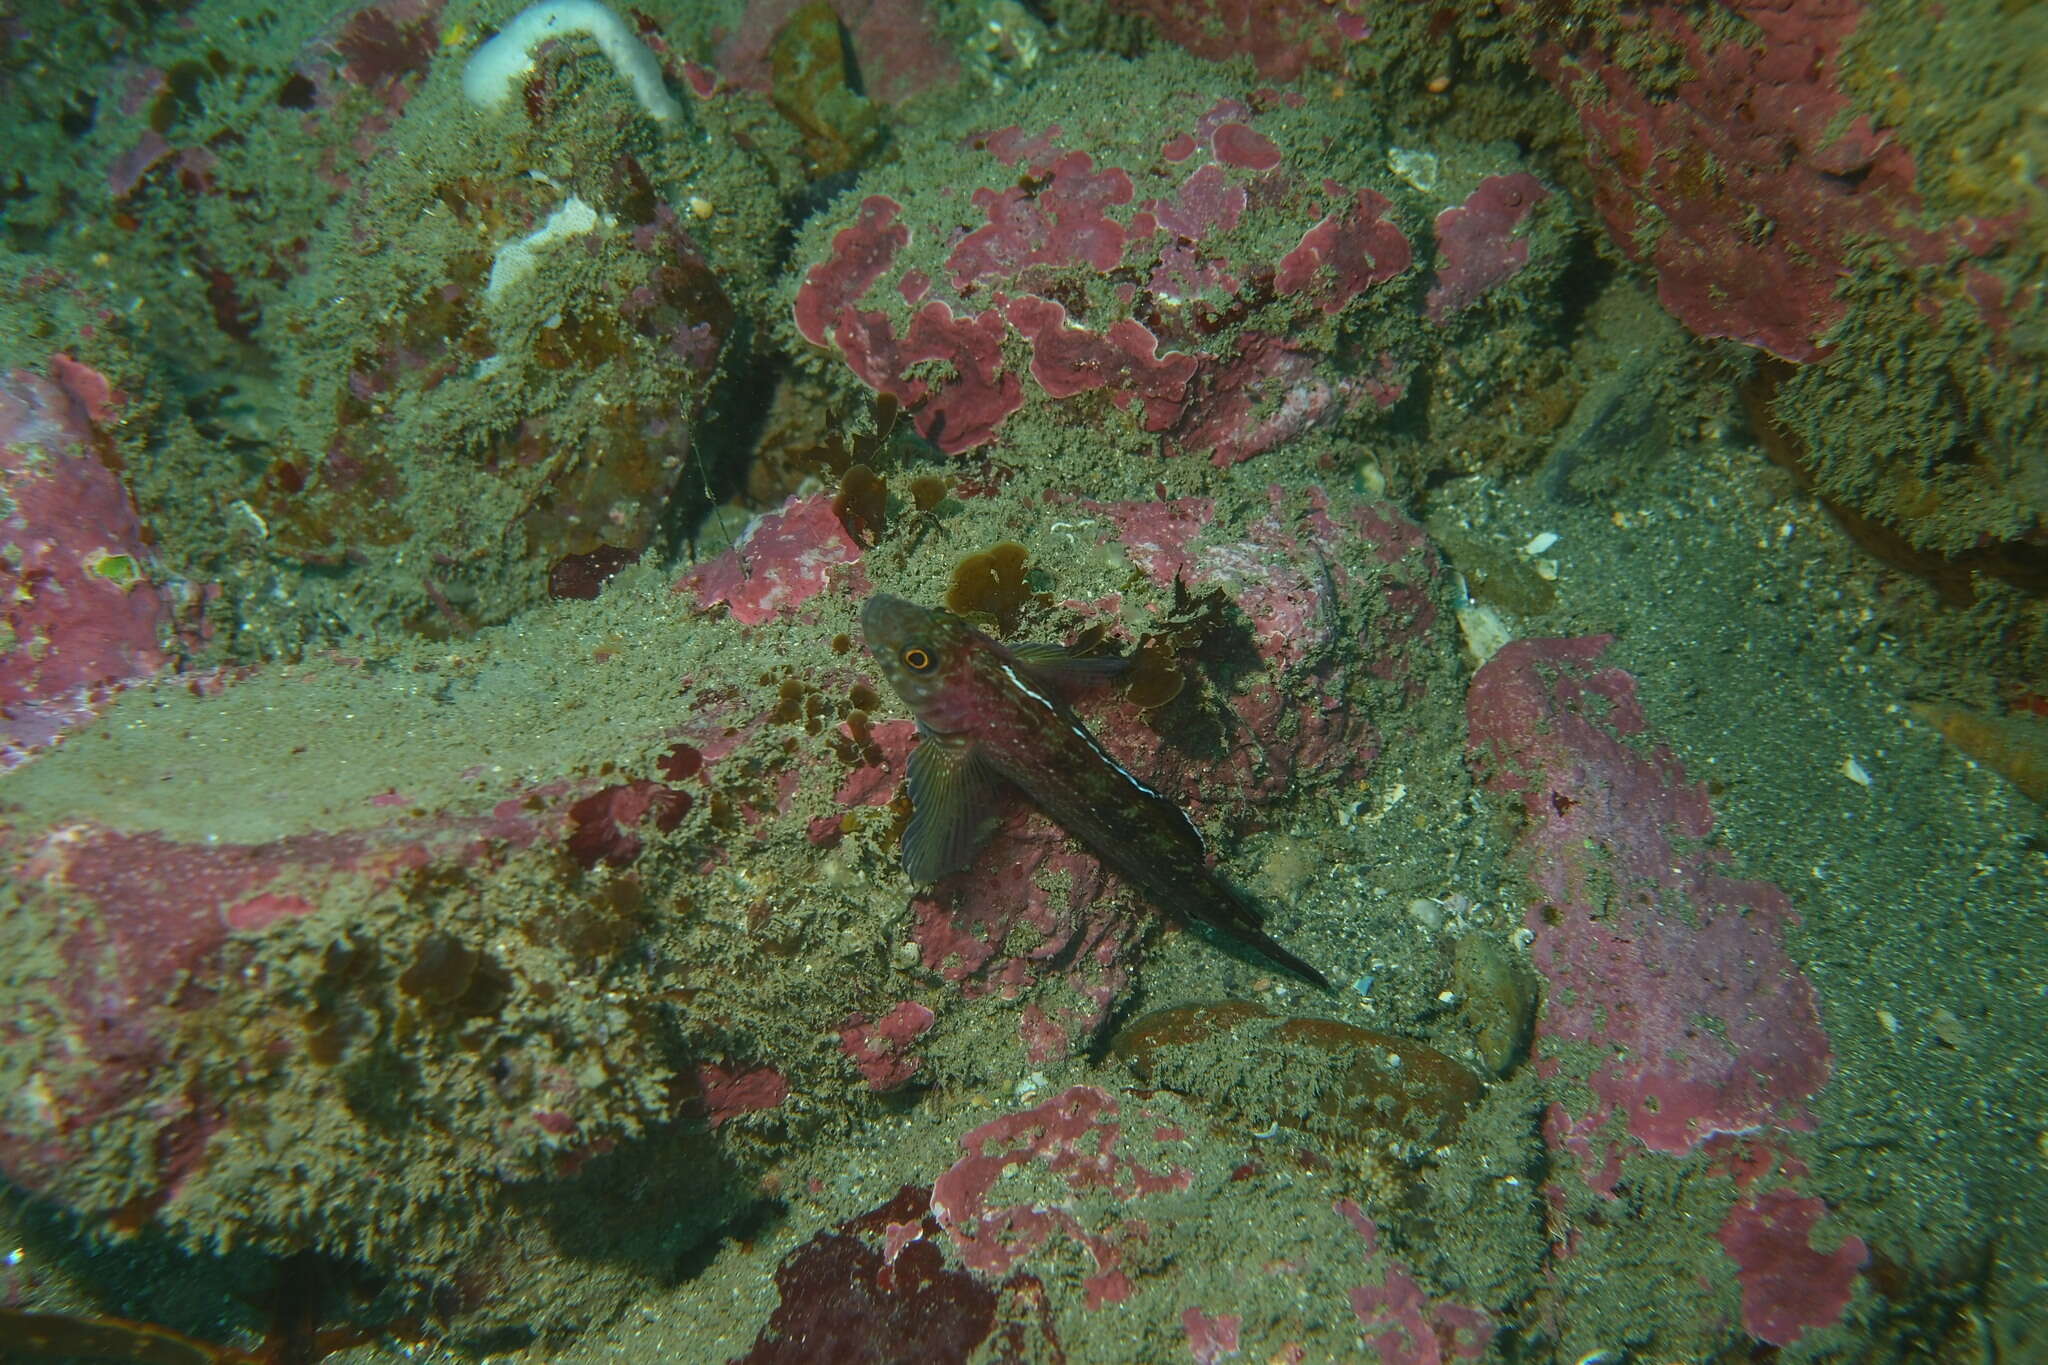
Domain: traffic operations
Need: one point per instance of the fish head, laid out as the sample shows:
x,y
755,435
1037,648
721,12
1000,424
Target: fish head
x,y
929,657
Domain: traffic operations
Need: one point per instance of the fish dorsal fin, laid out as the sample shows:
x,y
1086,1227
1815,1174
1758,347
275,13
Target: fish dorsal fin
x,y
952,807
1060,668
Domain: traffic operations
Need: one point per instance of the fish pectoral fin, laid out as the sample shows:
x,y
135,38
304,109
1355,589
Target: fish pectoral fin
x,y
1058,667
952,798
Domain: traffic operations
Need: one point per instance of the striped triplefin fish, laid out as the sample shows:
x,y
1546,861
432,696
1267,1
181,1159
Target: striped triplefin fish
x,y
991,716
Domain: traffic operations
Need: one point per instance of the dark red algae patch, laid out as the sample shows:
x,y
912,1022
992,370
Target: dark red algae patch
x,y
604,824
582,577
875,1292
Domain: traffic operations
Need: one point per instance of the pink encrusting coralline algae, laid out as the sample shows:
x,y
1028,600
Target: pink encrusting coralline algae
x,y
1642,936
1077,1143
1680,181
1191,278
784,559
80,612
1399,1319
1671,994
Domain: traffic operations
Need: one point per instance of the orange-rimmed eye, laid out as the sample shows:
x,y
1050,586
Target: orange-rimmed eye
x,y
916,660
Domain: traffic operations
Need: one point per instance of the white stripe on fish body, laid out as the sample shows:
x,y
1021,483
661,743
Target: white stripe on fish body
x,y
1080,732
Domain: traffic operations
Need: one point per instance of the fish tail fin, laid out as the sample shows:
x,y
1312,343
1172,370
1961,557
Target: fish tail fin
x,y
1223,908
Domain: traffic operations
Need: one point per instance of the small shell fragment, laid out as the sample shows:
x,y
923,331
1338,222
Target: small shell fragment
x,y
1855,771
1483,630
1417,168
1540,542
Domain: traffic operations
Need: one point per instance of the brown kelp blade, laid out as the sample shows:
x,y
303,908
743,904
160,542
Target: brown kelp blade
x,y
61,1336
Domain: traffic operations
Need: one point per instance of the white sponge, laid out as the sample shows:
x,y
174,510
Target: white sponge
x,y
517,258
506,59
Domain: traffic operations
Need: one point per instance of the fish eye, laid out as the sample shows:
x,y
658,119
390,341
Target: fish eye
x,y
915,659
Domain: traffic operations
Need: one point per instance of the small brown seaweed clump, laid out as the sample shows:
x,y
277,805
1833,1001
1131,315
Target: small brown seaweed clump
x,y
991,583
1156,676
1195,620
447,974
862,504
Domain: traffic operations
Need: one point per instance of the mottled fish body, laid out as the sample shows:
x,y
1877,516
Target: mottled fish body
x,y
989,716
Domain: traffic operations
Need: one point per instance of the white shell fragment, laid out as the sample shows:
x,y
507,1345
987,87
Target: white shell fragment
x,y
1484,631
1417,168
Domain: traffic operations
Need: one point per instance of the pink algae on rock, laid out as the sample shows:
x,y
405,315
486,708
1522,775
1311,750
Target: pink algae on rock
x,y
124,947
877,1290
605,824
1136,265
1075,1144
1275,568
1211,1337
784,559
728,1093
1399,1319
955,416
1763,128
1283,38
1675,972
1481,243
1238,145
861,253
881,1048
1031,880
1351,249
79,612
1788,1286
1062,220
1671,996
1124,359
143,938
